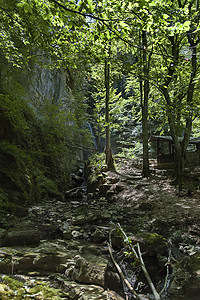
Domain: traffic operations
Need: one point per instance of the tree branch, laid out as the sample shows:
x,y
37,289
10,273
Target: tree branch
x,y
122,275
140,259
104,22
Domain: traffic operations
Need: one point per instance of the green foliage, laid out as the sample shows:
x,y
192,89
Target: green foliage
x,y
132,152
96,163
35,159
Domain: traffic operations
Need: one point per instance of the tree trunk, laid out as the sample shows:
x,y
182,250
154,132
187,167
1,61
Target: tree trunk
x,y
144,94
108,150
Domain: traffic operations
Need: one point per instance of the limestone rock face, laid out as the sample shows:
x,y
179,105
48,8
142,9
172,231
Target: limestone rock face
x,y
45,84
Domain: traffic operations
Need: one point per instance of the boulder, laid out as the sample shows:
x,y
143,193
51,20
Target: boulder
x,y
82,270
19,237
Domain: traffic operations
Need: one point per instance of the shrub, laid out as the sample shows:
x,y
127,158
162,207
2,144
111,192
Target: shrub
x,y
34,158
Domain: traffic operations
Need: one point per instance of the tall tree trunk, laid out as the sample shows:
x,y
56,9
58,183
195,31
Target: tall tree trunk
x,y
144,94
174,134
190,93
108,150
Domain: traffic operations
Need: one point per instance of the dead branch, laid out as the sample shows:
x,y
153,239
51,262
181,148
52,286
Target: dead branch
x,y
153,289
167,275
124,279
140,259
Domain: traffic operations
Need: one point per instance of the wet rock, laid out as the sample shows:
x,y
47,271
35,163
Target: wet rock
x,y
50,230
112,180
76,193
113,281
105,214
77,234
153,243
79,220
20,237
47,263
25,264
67,234
5,263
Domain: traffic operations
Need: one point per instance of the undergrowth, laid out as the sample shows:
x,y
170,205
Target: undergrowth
x,y
35,154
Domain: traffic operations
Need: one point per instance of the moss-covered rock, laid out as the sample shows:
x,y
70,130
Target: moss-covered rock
x,y
154,243
11,288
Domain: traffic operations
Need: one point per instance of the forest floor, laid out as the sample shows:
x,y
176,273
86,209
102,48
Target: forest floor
x,y
159,196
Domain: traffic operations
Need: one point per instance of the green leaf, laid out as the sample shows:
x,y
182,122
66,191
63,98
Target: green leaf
x,y
123,24
165,16
186,25
26,8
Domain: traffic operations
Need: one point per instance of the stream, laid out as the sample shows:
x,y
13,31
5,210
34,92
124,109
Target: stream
x,y
60,250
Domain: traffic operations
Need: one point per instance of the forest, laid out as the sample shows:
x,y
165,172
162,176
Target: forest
x,y
99,149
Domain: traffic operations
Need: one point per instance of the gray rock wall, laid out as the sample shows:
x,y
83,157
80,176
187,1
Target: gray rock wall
x,y
41,84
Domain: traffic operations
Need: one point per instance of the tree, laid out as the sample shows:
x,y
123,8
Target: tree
x,y
108,150
144,94
171,29
179,39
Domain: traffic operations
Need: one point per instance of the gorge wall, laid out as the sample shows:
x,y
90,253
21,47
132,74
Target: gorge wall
x,y
38,131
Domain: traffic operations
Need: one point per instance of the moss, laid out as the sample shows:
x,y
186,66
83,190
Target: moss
x,y
11,288
47,292
152,238
155,242
12,283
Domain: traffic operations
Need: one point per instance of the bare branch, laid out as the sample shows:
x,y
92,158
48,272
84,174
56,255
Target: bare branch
x,y
140,259
122,275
